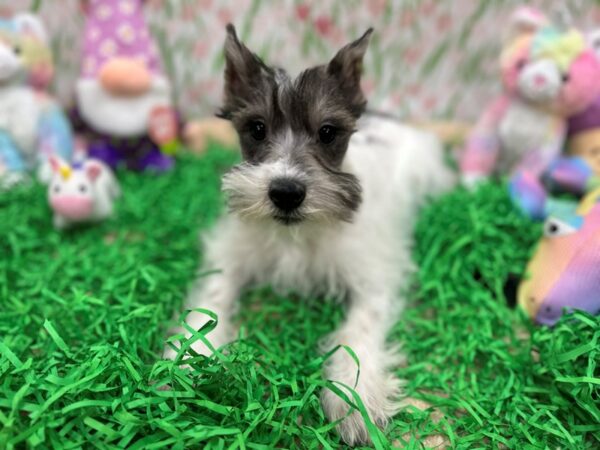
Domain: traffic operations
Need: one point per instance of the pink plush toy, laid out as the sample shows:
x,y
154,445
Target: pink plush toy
x,y
81,192
548,75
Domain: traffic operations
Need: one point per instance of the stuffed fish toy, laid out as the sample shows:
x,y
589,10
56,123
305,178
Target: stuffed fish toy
x,y
564,272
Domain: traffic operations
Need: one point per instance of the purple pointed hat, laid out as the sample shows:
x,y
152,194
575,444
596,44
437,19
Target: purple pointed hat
x,y
585,120
117,29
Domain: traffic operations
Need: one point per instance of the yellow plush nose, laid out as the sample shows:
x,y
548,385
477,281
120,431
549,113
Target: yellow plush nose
x,y
125,77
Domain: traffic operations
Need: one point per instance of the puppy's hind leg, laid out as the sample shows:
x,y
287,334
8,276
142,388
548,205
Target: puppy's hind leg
x,y
364,331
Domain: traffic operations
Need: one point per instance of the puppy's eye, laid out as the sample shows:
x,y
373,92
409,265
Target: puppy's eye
x,y
82,188
56,188
258,130
17,50
327,134
565,78
520,64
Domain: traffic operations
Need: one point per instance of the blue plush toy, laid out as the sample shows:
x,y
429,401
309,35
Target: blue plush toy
x,y
32,125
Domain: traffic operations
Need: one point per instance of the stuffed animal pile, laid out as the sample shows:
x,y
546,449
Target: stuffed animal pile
x,y
549,74
543,134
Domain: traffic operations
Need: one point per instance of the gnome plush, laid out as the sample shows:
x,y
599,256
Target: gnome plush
x,y
124,101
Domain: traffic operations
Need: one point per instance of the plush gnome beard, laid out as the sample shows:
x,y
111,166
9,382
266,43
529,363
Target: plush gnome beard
x,y
121,83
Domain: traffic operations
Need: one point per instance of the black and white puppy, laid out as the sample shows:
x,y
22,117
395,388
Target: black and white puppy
x,y
322,203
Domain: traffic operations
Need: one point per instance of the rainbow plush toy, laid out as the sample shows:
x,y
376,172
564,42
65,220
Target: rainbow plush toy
x,y
124,101
32,125
548,75
564,272
576,173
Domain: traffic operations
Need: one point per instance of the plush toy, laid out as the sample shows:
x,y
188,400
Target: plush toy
x,y
198,133
579,171
584,136
123,98
83,192
575,173
32,125
564,272
548,75
37,56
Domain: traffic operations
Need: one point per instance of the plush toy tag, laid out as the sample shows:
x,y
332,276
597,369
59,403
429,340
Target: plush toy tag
x,y
163,129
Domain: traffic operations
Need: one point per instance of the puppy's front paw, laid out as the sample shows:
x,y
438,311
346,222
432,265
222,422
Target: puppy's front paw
x,y
380,396
352,429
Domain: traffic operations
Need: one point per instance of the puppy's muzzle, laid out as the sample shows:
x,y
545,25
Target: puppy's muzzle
x,y
287,195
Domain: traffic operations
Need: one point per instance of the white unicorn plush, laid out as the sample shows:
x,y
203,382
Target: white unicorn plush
x,y
83,192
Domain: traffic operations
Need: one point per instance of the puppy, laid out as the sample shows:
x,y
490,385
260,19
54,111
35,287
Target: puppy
x,y
322,203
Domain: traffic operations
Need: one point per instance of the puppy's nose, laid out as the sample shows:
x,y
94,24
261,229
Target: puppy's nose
x,y
287,195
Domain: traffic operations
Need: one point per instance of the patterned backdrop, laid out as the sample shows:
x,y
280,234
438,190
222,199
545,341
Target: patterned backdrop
x,y
427,59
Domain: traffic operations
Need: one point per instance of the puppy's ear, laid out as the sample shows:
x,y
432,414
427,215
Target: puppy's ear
x,y
347,67
243,69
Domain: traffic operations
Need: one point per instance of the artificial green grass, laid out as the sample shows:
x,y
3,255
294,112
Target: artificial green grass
x,y
84,314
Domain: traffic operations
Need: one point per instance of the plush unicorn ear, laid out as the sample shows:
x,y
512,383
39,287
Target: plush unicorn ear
x,y
55,163
525,20
30,25
93,170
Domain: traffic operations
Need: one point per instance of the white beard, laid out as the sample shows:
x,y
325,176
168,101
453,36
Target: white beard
x,y
120,116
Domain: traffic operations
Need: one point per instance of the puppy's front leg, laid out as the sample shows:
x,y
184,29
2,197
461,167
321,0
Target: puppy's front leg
x,y
369,319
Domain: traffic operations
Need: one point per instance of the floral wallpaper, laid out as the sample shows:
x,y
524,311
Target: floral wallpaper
x,y
428,58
